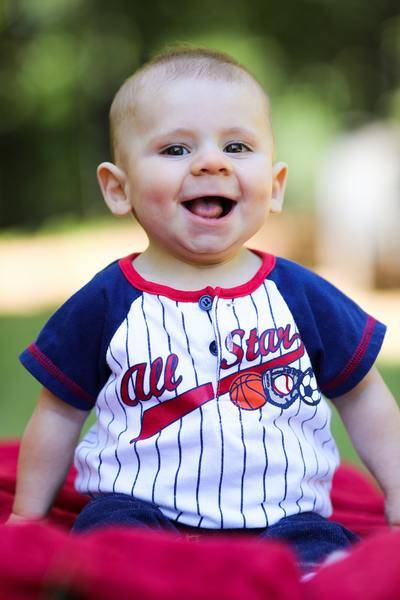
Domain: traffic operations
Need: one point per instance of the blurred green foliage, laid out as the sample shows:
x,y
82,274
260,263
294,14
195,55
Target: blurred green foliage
x,y
327,66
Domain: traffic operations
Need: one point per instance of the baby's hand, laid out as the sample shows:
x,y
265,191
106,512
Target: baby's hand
x,y
392,510
15,519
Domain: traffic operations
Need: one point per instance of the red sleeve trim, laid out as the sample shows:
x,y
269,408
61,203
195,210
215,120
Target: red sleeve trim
x,y
355,359
51,368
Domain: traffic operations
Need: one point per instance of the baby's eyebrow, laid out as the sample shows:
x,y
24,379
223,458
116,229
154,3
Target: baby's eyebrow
x,y
179,132
240,131
225,132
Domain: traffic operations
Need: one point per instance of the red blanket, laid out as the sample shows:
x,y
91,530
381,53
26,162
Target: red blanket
x,y
42,560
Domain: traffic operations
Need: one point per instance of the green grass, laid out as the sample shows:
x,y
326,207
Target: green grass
x,y
19,389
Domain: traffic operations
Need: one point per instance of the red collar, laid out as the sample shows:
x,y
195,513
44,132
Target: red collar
x,y
126,266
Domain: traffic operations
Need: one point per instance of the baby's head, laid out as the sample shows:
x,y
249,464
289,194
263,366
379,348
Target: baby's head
x,y
182,63
193,149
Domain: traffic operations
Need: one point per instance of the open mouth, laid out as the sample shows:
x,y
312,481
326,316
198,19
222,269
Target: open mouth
x,y
210,207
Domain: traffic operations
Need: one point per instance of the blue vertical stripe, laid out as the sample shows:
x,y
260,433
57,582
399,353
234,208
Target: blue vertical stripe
x,y
108,434
201,425
330,441
281,432
264,431
141,405
302,458
265,477
88,447
313,477
95,448
305,438
220,427
158,467
243,440
324,443
148,337
179,464
137,455
159,433
126,422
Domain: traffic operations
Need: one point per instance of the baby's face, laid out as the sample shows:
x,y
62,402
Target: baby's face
x,y
198,167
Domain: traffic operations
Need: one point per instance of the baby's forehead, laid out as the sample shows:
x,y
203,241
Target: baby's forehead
x,y
157,81
136,101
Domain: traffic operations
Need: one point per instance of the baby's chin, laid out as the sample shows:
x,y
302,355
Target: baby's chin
x,y
204,254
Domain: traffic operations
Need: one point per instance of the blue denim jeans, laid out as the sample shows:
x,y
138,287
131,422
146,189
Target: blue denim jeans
x,y
311,536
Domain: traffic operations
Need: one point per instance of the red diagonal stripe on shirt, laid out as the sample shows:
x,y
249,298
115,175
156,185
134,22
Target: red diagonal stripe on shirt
x,y
160,416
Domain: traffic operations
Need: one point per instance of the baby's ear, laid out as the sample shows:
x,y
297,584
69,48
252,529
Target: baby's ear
x,y
112,181
279,177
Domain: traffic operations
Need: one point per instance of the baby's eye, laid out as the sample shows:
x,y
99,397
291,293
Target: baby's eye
x,y
235,147
175,150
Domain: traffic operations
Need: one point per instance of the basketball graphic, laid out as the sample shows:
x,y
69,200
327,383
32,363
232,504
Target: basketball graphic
x,y
247,391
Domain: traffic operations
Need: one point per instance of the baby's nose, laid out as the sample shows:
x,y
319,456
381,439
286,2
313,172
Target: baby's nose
x,y
211,161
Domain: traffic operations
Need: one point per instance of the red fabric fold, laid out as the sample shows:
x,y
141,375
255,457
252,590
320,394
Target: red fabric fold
x,y
371,571
44,560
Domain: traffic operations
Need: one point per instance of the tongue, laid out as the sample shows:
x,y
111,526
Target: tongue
x,y
208,208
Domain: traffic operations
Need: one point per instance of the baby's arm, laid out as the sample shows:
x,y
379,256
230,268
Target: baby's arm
x,y
372,418
45,456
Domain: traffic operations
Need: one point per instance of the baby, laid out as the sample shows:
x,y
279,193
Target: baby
x,y
205,361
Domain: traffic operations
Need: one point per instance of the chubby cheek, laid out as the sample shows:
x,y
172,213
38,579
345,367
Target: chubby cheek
x,y
253,221
154,202
256,181
256,202
154,209
152,215
160,175
254,212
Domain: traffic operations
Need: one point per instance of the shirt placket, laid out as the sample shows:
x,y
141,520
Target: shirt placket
x,y
218,341
216,307
221,318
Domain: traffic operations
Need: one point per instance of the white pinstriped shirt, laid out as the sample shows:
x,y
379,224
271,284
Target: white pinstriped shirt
x,y
208,403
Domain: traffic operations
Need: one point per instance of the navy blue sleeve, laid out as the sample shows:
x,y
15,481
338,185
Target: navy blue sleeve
x,y
341,339
69,356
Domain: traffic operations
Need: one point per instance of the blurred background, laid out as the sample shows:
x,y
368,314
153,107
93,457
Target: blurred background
x,y
332,70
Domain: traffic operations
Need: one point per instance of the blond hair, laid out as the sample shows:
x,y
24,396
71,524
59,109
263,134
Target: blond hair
x,y
174,63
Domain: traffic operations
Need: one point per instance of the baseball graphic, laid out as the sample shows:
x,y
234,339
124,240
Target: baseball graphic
x,y
283,384
247,391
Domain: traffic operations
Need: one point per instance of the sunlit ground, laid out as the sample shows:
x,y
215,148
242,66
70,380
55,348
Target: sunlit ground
x,y
39,272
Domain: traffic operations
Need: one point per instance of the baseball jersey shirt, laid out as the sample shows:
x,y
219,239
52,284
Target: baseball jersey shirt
x,y
211,403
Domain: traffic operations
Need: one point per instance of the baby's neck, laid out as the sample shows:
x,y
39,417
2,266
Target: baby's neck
x,y
168,270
